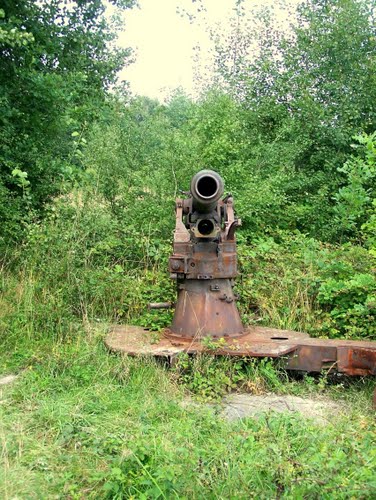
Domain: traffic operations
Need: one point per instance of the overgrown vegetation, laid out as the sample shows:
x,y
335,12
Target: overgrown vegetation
x,y
81,423
88,179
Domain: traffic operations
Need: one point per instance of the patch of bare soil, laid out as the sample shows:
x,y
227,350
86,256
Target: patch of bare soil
x,y
236,406
8,379
4,381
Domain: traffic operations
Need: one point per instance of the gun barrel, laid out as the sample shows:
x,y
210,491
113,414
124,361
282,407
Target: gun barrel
x,y
207,188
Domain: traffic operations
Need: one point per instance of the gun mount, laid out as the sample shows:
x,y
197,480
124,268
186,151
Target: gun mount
x,y
203,262
204,265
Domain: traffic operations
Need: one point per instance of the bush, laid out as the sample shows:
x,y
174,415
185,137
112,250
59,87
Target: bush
x,y
300,283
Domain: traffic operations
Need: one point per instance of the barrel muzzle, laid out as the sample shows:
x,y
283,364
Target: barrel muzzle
x,y
206,188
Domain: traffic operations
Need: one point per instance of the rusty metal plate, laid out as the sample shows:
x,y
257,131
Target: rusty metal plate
x,y
259,342
313,358
135,340
301,352
357,360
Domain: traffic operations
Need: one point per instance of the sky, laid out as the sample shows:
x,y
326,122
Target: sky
x,y
165,41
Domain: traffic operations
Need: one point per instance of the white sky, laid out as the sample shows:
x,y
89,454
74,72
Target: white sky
x,y
164,41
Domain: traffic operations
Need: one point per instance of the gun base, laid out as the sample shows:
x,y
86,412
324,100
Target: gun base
x,y
206,308
297,350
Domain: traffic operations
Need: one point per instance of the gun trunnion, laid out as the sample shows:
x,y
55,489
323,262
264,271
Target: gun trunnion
x,y
204,265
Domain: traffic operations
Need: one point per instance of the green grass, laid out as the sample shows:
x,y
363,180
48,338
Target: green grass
x,y
82,423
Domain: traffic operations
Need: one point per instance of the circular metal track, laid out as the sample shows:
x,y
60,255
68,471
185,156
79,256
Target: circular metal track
x,y
301,352
256,341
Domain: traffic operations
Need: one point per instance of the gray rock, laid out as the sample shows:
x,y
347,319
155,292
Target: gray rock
x,y
236,406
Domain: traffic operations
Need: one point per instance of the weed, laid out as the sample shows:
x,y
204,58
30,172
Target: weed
x,y
209,377
213,344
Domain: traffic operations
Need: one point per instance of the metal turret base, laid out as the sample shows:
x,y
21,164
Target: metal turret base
x,y
206,308
300,351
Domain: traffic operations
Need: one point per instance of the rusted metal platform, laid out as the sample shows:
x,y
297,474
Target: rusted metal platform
x,y
300,351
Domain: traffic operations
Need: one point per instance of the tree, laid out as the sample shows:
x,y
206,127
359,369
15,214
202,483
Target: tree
x,y
307,93
56,66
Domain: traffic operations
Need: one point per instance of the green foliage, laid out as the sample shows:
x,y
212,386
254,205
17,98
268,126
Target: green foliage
x,y
279,133
94,263
210,378
56,65
303,96
352,305
369,229
301,284
355,199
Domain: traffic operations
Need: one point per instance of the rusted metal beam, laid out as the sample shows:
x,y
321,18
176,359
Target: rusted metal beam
x,y
301,352
159,305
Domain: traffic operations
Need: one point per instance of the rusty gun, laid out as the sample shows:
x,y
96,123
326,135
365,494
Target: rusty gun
x,y
204,262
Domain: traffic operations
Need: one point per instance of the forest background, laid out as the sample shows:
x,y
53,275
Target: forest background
x,y
89,175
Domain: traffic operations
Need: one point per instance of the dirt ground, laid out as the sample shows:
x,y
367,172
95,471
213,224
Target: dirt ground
x,y
237,406
8,379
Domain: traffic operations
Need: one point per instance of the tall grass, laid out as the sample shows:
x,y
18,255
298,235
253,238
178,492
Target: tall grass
x,y
80,423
